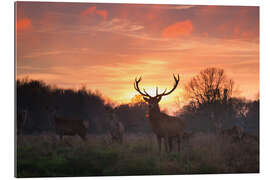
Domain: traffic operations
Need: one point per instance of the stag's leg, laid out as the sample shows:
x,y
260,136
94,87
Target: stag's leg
x,y
118,140
178,143
159,143
61,136
121,139
166,143
83,136
114,139
170,143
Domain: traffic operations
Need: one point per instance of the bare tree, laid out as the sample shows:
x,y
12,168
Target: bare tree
x,y
211,91
208,86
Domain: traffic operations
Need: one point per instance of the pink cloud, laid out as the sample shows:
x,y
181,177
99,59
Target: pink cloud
x,y
182,28
89,11
102,13
23,24
94,11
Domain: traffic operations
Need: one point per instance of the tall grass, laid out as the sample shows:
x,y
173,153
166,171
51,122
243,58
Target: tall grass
x,y
47,156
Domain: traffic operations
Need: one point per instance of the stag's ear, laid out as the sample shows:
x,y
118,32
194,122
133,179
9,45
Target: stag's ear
x,y
146,99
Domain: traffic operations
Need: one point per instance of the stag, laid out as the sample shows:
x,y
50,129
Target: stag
x,y
67,127
163,125
116,127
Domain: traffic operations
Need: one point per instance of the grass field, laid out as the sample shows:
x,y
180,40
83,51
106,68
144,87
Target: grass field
x,y
47,156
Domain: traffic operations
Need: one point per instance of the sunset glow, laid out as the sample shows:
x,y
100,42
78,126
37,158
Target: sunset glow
x,y
106,46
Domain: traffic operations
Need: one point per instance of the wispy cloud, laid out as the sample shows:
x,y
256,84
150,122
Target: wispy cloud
x,y
118,26
44,53
177,7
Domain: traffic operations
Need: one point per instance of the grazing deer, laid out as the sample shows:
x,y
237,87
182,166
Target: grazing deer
x,y
116,127
67,127
22,117
163,125
236,133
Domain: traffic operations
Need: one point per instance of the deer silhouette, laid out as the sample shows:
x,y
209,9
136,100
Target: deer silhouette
x,y
67,127
116,127
163,125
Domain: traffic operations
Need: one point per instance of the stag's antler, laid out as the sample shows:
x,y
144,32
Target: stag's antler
x,y
136,86
174,87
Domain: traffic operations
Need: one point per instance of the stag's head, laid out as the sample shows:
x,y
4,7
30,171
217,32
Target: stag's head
x,y
153,101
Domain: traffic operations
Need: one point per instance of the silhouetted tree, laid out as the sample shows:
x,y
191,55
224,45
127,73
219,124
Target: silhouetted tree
x,y
210,95
208,86
252,117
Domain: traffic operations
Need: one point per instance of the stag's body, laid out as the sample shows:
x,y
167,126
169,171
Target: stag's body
x,y
163,125
69,127
167,127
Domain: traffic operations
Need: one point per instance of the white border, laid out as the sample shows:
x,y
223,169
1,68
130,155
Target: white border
x,y
7,85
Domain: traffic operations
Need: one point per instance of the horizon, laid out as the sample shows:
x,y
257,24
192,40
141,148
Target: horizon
x,y
104,46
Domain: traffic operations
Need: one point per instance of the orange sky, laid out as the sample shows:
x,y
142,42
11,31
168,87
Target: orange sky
x,y
105,46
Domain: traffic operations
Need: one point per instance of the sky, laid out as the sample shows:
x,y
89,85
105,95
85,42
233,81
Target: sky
x,y
105,46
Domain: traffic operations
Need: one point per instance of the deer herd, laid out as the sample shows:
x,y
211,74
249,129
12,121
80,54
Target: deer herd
x,y
166,128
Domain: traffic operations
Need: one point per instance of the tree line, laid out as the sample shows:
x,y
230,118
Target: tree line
x,y
211,106
35,96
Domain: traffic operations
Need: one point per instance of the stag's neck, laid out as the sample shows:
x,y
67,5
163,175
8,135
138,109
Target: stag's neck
x,y
154,112
155,119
